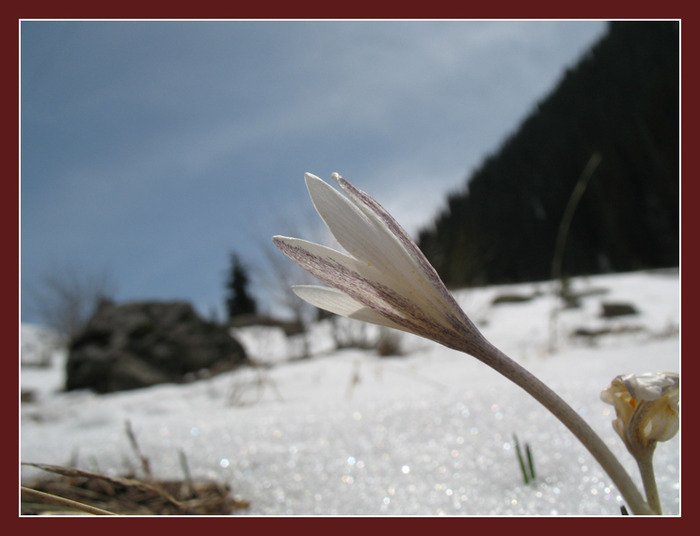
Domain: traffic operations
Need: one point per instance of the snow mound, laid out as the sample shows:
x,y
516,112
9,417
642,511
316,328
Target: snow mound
x,y
345,432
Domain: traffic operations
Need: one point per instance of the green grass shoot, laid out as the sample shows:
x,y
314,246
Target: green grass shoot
x,y
528,469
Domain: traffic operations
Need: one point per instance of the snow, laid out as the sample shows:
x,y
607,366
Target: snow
x,y
346,432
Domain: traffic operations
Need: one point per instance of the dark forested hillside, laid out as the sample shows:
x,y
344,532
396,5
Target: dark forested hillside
x,y
621,102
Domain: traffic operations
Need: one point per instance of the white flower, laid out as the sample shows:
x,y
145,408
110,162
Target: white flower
x,y
646,406
384,279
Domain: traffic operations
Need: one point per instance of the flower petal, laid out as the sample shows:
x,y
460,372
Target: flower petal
x,y
350,227
360,282
335,301
650,386
408,247
335,269
365,285
370,234
363,236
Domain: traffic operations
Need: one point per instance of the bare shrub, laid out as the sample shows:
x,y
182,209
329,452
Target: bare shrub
x,y
66,297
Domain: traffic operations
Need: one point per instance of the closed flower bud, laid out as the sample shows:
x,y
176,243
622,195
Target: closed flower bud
x,y
646,406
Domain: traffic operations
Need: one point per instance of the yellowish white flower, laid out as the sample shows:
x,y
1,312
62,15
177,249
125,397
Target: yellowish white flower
x,y
384,278
646,406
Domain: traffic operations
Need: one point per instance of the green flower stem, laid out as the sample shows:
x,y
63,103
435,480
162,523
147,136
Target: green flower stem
x,y
493,357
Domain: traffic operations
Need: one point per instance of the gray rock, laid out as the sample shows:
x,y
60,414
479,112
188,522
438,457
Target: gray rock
x,y
609,309
136,345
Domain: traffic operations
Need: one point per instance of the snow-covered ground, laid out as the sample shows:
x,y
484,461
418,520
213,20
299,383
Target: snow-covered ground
x,y
347,432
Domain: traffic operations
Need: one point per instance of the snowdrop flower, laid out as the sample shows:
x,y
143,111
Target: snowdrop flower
x,y
385,279
646,406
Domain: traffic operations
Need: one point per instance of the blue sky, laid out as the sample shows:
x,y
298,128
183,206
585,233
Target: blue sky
x,y
151,150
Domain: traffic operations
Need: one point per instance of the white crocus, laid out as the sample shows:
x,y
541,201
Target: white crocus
x,y
646,408
385,279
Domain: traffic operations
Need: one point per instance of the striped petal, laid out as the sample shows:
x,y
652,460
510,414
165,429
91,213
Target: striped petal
x,y
335,301
369,233
420,277
338,270
418,266
384,272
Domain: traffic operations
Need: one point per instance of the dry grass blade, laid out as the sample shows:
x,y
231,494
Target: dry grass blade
x,y
145,463
66,503
90,492
126,482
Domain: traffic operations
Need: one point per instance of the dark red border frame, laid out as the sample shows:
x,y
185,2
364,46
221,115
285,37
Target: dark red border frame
x,y
390,10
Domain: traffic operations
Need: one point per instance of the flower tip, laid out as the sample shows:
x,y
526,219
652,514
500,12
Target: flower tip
x,y
338,178
310,177
279,239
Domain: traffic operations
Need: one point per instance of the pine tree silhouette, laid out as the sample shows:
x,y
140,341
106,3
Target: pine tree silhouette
x,y
238,300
